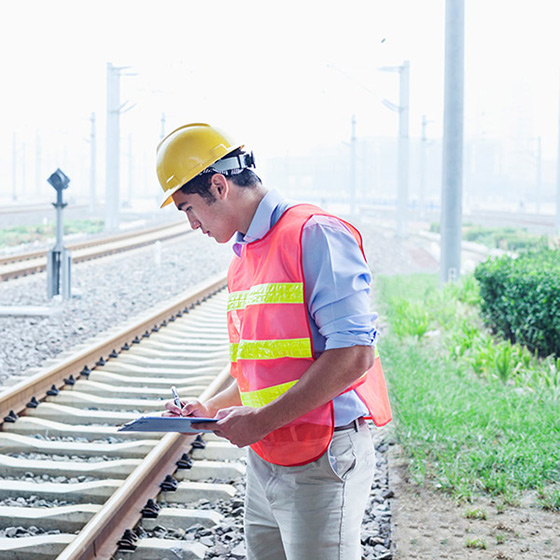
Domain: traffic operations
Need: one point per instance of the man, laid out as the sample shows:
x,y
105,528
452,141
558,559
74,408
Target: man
x,y
302,350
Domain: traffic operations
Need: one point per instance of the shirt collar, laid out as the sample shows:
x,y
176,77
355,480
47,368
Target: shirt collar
x,y
261,222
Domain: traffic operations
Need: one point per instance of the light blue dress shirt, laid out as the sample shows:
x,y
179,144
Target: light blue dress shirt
x,y
337,281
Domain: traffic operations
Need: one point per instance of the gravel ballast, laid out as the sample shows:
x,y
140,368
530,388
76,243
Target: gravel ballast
x,y
105,293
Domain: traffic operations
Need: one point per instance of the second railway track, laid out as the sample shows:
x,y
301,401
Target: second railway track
x,y
81,487
23,264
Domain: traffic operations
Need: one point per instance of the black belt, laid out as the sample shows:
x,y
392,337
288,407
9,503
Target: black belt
x,y
354,425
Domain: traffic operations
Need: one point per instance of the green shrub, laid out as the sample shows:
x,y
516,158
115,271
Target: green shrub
x,y
521,298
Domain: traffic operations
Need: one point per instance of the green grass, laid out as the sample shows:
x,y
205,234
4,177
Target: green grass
x,y
465,431
15,235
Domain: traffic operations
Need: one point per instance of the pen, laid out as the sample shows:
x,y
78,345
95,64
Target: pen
x,y
176,398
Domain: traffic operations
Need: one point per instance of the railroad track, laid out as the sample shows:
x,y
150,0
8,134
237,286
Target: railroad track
x,y
471,253
39,207
59,442
22,264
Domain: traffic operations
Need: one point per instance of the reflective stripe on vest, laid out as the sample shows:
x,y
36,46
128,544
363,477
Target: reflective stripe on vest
x,y
270,349
285,292
261,397
264,396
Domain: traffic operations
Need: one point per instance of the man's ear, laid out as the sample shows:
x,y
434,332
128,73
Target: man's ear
x,y
220,185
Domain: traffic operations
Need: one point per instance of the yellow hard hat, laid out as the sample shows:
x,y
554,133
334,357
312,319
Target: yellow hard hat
x,y
186,152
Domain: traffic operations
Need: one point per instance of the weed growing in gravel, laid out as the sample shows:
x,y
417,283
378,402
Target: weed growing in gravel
x,y
475,414
475,514
476,543
549,498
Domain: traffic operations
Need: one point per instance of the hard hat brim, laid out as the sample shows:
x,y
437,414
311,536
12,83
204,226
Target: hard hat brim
x,y
168,196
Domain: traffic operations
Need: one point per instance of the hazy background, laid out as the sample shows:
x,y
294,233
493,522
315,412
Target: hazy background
x,y
286,79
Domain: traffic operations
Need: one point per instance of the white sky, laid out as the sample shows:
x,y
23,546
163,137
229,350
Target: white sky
x,y
281,76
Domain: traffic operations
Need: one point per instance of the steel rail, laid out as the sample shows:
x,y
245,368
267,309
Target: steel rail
x,y
38,207
18,396
98,538
17,257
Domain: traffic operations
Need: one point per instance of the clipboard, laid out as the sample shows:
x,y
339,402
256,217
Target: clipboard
x,y
182,424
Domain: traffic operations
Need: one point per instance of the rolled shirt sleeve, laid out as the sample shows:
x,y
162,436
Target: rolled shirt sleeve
x,y
337,286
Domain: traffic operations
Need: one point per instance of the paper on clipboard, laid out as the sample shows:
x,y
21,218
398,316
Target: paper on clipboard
x,y
182,424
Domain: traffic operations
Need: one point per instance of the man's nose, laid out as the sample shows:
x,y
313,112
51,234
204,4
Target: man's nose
x,y
195,224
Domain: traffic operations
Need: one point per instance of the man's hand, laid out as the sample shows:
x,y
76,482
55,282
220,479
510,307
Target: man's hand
x,y
238,424
188,408
208,409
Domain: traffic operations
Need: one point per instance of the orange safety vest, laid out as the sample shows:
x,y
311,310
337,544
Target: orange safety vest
x,y
271,344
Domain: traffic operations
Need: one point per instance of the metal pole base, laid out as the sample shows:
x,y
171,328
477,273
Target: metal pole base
x,y
59,264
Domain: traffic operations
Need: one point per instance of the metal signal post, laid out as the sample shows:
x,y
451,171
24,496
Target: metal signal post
x,y
59,258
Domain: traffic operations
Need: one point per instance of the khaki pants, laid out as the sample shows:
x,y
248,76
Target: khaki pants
x,y
311,512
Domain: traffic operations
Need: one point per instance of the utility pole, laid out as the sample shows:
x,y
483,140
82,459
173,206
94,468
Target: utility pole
x,y
14,167
403,144
403,147
38,182
92,164
353,168
402,203
112,159
423,155
452,177
23,190
112,156
130,170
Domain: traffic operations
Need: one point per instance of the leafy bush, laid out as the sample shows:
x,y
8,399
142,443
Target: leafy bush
x,y
521,298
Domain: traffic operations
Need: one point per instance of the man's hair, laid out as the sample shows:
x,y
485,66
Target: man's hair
x,y
201,183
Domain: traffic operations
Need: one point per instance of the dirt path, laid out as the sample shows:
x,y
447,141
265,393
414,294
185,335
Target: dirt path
x,y
427,525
